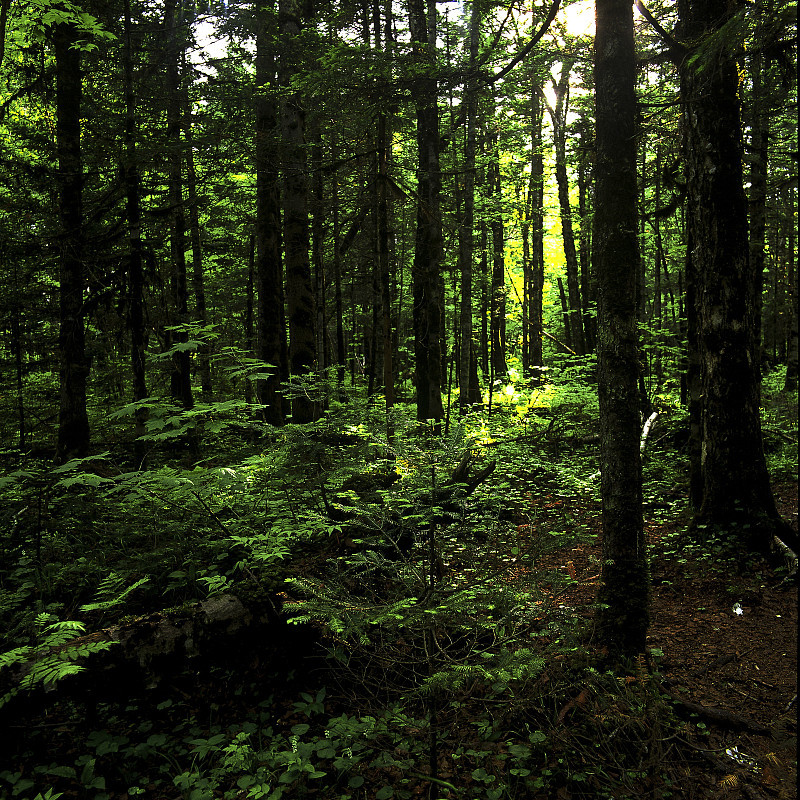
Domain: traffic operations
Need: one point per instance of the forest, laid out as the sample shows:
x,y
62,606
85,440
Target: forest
x,y
398,398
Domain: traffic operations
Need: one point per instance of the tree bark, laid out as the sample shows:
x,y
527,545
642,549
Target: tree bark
x,y
498,298
428,245
130,176
299,289
736,493
623,617
271,319
466,246
198,279
559,118
73,421
181,378
536,206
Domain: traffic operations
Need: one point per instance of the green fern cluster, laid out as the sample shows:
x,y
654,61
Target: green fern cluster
x,y
52,658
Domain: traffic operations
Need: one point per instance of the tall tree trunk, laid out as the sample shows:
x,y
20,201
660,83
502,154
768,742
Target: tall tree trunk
x,y
759,154
736,493
341,355
623,617
483,268
181,378
299,289
318,244
588,290
536,205
498,300
249,305
559,118
198,280
384,273
73,422
16,345
465,231
271,317
428,245
130,176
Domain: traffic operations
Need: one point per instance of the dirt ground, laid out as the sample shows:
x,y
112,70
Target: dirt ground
x,y
729,643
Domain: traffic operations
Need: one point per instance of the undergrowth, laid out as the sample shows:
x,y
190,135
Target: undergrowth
x,y
446,658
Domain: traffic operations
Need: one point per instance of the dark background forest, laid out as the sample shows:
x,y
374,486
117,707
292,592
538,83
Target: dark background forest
x,y
398,399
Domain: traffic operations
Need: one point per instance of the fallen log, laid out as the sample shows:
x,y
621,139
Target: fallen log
x,y
143,651
718,716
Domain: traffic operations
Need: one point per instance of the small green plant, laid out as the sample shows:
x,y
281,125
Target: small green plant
x,y
52,658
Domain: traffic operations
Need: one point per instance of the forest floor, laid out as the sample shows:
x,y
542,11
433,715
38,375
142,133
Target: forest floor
x,y
729,644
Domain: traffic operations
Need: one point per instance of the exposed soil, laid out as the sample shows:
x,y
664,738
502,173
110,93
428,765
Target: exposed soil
x,y
729,643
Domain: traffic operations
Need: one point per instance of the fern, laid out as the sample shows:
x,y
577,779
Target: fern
x,y
52,658
108,593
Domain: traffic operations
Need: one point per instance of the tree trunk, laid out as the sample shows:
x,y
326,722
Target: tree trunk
x,y
384,274
299,289
271,318
249,304
428,246
130,176
73,422
465,230
757,202
623,617
559,118
736,493
536,205
198,282
588,292
318,246
181,378
341,355
498,298
484,273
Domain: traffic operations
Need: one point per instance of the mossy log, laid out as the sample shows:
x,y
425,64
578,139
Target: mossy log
x,y
148,649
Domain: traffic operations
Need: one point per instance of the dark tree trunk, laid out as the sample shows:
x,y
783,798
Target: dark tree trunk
x,y
318,246
559,118
384,273
428,246
498,299
341,355
181,378
465,230
249,304
269,270
736,493
73,422
198,281
16,344
623,617
299,289
130,175
790,383
588,292
757,205
484,273
536,205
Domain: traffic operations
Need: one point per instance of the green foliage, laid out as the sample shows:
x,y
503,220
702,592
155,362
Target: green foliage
x,y
59,645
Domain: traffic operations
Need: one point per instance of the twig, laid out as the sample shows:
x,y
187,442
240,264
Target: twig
x,y
212,514
438,781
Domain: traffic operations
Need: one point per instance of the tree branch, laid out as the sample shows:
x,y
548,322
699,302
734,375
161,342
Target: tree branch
x,y
676,50
528,47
